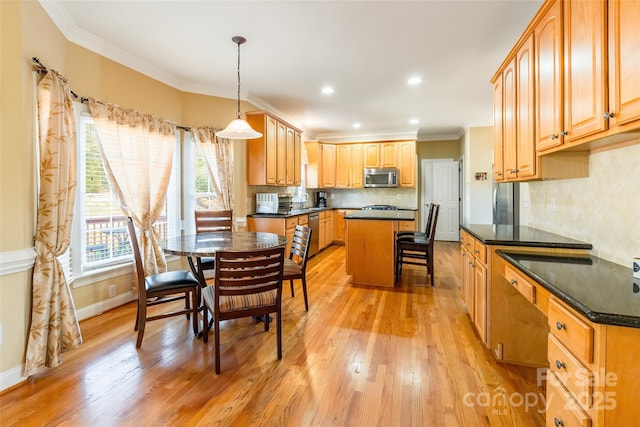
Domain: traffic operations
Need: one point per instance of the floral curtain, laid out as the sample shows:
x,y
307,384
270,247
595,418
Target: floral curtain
x,y
218,153
54,325
137,153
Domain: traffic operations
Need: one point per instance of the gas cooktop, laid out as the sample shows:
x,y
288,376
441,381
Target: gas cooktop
x,y
380,207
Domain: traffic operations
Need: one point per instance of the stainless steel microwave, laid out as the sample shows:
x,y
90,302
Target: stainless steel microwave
x,y
381,178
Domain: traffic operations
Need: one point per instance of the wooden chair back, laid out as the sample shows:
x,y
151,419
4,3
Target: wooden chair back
x,y
135,248
208,221
299,251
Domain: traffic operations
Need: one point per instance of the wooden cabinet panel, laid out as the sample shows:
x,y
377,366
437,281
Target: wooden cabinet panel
x,y
624,61
562,409
328,165
584,68
509,120
297,160
290,156
480,299
572,373
573,332
548,78
271,150
357,166
388,155
406,153
281,154
371,155
498,142
525,130
343,166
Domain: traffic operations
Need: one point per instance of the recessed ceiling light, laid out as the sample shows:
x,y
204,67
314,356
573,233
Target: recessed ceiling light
x,y
327,90
414,121
415,80
357,125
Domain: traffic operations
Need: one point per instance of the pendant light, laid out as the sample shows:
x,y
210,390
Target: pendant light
x,y
238,128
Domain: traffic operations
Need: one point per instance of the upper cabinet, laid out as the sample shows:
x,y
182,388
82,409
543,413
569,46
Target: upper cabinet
x,y
570,86
274,158
341,165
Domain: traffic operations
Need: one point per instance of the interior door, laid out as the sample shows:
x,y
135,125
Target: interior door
x,y
440,185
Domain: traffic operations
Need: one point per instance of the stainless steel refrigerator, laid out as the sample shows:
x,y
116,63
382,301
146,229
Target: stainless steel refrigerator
x,y
506,203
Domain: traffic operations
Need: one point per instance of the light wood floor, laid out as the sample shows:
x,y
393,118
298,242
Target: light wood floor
x,y
359,357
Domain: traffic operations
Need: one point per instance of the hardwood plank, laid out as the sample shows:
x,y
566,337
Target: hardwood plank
x,y
360,356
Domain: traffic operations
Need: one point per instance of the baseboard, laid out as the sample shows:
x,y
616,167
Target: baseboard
x,y
11,377
102,306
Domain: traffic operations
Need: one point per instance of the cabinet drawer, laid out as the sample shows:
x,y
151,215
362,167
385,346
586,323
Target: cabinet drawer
x,y
463,238
573,333
562,410
303,220
575,377
480,251
523,285
291,223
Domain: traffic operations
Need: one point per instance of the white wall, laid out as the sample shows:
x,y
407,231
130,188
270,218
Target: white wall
x,y
603,209
478,157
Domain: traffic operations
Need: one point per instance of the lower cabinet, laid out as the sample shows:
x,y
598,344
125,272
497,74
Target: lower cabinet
x,y
474,281
326,229
282,226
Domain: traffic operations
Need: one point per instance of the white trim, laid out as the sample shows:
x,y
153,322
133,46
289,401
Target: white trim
x,y
16,261
102,306
11,377
92,276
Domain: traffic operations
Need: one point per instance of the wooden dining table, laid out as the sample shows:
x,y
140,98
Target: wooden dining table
x,y
207,244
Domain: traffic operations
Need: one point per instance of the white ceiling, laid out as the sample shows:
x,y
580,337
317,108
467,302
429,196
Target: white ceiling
x,y
366,50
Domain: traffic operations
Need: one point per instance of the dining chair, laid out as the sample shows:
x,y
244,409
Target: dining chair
x,y
418,250
416,233
246,284
295,267
162,288
209,221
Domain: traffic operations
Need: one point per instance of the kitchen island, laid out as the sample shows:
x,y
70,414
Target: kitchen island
x,y
369,245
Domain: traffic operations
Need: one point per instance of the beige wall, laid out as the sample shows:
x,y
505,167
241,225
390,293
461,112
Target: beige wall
x,y
478,157
27,31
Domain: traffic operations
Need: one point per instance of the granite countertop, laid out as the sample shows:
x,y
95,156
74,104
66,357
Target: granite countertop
x,y
602,291
508,235
399,215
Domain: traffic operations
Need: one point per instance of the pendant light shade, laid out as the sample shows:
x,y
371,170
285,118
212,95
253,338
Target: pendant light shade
x,y
238,128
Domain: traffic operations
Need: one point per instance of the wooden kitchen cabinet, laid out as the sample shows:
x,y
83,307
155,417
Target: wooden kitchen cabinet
x,y
328,175
326,229
406,153
474,281
380,155
357,166
281,226
498,138
270,158
343,166
525,130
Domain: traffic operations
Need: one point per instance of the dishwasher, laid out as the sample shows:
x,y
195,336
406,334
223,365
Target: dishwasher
x,y
314,225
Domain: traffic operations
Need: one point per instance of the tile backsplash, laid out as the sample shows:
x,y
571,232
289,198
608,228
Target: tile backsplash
x,y
603,209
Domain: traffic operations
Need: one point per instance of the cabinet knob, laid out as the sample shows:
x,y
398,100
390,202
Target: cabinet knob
x,y
560,326
608,115
560,364
514,282
499,174
554,136
558,422
564,133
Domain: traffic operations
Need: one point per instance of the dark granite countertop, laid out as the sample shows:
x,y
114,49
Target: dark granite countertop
x,y
602,291
508,235
399,215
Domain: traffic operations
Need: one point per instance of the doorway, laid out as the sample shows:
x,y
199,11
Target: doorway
x,y
440,184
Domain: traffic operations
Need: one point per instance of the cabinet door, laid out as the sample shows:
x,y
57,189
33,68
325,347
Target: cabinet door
x,y
480,300
407,164
584,68
509,120
290,156
356,168
297,162
548,66
388,154
281,153
328,152
371,155
498,161
343,166
624,61
271,149
525,132
339,225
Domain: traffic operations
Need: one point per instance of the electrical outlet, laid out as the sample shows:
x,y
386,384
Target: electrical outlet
x,y
112,290
399,196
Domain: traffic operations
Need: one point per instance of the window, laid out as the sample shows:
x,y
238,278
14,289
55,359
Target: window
x,y
200,194
100,239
